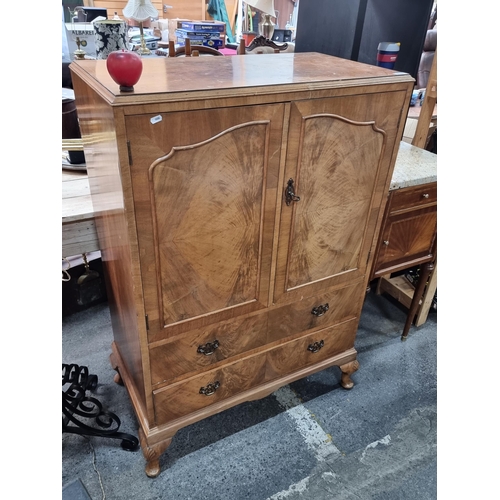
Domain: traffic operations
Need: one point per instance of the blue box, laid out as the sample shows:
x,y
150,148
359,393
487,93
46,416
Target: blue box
x,y
215,43
215,27
196,35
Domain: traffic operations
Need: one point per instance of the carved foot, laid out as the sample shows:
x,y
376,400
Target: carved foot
x,y
117,378
152,454
347,370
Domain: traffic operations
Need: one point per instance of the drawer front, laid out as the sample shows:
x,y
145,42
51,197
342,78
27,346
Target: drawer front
x,y
199,349
316,312
414,197
180,399
310,349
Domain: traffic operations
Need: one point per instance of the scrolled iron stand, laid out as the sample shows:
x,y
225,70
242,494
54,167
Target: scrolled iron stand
x,y
80,410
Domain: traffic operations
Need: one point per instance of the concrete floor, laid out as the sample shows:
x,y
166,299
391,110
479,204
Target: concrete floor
x,y
310,440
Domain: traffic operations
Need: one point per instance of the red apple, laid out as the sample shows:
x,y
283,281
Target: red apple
x,y
125,68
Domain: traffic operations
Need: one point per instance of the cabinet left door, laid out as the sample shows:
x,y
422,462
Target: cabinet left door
x,y
204,188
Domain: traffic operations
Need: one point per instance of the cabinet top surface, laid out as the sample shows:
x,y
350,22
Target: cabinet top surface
x,y
235,75
414,166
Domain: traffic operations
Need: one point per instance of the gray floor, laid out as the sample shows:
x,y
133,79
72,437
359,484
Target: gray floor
x,y
310,440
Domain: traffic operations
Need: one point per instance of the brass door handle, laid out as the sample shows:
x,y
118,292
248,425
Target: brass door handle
x,y
210,389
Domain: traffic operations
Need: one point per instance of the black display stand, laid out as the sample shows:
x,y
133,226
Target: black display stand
x,y
85,415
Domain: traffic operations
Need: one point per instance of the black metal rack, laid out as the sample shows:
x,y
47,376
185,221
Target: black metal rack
x,y
85,415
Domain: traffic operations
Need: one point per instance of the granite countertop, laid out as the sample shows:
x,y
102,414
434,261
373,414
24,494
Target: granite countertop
x,y
414,166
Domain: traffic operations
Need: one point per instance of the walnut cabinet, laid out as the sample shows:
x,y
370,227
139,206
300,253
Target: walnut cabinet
x,y
238,201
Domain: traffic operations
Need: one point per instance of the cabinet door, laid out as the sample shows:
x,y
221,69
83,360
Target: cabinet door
x,y
408,238
338,157
204,187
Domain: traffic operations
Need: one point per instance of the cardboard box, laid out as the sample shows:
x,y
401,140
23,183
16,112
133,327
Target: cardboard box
x,y
161,24
160,28
215,43
207,26
86,34
196,35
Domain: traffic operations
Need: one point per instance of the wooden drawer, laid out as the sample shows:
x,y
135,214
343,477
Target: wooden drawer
x,y
414,197
199,349
310,349
185,397
343,303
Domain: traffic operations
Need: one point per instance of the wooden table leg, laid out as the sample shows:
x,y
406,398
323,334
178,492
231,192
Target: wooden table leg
x,y
425,270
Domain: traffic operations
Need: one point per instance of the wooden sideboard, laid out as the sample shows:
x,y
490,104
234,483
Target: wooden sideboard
x,y
409,228
237,200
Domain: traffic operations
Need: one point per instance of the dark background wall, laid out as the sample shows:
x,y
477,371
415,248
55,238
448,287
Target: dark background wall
x,y
352,29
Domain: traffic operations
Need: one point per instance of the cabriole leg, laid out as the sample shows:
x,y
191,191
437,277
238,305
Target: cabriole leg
x,y
152,454
347,370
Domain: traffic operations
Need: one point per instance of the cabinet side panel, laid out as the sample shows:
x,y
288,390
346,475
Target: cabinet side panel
x,y
97,125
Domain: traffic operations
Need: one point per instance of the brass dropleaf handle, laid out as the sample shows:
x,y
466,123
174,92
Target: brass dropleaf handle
x,y
209,348
210,389
290,193
320,310
316,346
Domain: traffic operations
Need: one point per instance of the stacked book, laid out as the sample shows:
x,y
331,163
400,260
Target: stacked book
x,y
209,33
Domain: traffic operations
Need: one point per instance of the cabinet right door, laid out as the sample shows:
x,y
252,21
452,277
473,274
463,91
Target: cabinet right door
x,y
339,152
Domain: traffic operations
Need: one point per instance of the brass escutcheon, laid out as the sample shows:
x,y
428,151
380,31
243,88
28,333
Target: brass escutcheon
x,y
290,193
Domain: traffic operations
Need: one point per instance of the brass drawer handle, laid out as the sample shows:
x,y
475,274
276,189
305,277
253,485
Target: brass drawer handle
x,y
320,310
316,346
209,348
290,193
210,389
426,195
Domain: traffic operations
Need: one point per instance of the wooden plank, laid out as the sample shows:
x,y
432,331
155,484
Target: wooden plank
x,y
76,199
426,113
79,233
77,209
79,237
427,298
68,175
72,144
399,288
75,188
